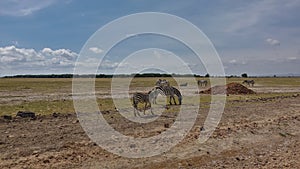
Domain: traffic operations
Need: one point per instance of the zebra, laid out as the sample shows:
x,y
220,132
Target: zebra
x,y
249,82
168,91
153,96
162,82
141,98
178,94
202,83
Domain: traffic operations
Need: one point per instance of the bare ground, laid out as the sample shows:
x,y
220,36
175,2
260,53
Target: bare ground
x,y
259,133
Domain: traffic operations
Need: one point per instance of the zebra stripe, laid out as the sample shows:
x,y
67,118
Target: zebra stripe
x,y
140,98
178,94
169,91
162,82
249,82
202,83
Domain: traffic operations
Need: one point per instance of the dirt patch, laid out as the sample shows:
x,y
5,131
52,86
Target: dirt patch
x,y
231,88
250,135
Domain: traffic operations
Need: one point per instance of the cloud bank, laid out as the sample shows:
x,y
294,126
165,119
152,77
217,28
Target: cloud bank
x,y
273,42
22,60
23,7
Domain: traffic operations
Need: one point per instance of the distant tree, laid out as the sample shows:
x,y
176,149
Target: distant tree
x,y
231,76
274,76
207,75
244,75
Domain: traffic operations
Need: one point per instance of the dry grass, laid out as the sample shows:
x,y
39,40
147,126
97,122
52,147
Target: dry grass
x,y
49,86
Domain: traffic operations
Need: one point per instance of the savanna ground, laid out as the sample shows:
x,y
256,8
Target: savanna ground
x,y
256,131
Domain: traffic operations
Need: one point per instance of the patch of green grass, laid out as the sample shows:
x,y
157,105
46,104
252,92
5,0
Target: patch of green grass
x,y
66,106
39,107
35,85
50,86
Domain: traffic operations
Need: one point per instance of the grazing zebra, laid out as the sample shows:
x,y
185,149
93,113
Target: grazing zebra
x,y
249,82
168,91
202,83
141,98
178,94
162,82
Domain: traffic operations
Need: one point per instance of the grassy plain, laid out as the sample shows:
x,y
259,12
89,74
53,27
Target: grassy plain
x,y
37,95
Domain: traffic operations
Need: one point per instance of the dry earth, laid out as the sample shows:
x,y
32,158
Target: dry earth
x,y
258,133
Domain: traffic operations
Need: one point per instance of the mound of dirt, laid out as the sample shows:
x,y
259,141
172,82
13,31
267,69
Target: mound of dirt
x,y
231,88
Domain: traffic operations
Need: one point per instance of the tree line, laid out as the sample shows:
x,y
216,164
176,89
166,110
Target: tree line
x,y
243,75
102,75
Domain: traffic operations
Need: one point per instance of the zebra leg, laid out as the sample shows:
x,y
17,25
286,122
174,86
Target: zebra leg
x,y
135,110
138,113
170,100
145,108
151,109
153,100
179,99
174,100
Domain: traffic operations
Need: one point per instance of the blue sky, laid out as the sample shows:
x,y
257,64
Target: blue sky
x,y
260,37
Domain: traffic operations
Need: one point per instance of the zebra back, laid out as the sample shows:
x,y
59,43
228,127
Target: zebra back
x,y
163,82
249,82
169,91
140,98
165,90
178,94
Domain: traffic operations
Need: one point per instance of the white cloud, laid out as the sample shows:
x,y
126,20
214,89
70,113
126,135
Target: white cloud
x,y
60,53
233,61
237,62
21,59
23,7
7,59
14,54
253,14
273,42
292,58
15,42
107,64
96,50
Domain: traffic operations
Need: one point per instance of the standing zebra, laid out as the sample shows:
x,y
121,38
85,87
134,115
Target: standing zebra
x,y
141,98
249,82
162,82
168,91
178,94
202,83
